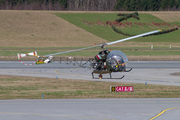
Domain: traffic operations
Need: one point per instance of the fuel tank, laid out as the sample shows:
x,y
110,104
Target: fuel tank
x,y
102,56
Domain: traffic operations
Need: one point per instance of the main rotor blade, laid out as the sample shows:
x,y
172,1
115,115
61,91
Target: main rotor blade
x,y
71,51
129,38
144,34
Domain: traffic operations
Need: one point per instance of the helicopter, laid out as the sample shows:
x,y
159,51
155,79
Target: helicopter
x,y
105,62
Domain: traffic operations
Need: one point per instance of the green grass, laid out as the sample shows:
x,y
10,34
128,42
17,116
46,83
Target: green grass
x,y
151,52
19,88
51,88
129,51
107,33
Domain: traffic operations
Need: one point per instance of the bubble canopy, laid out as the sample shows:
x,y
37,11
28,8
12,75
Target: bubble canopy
x,y
117,57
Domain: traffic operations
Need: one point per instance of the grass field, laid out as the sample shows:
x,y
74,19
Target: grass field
x,y
133,53
13,87
41,29
53,31
107,33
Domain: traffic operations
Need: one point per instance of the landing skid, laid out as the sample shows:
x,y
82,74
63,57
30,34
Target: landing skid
x,y
122,77
100,76
128,70
118,78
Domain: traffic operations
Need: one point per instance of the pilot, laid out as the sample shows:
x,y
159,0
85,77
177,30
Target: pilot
x,y
106,52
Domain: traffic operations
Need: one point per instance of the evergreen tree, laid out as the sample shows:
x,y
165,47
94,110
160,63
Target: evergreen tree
x,y
144,6
119,5
154,5
126,5
164,4
172,3
133,5
177,3
63,3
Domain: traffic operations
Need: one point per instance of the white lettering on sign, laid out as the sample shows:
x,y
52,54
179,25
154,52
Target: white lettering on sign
x,y
124,88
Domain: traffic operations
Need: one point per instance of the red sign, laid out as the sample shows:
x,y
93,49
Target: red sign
x,y
124,88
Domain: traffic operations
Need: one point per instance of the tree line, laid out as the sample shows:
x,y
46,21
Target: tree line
x,y
147,5
122,5
33,4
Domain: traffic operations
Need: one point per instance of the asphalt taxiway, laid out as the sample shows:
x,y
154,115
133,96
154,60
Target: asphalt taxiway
x,y
90,109
154,72
150,72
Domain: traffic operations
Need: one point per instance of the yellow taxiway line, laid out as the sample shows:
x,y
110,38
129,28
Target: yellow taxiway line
x,y
163,112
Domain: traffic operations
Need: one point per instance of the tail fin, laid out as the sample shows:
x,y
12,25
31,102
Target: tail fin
x,y
21,55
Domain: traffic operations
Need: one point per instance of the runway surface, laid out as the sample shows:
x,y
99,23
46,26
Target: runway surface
x,y
94,109
90,109
152,72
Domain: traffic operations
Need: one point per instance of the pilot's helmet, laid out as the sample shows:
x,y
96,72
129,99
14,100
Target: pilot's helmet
x,y
106,51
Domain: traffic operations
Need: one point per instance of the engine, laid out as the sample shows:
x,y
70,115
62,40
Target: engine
x,y
101,60
102,56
